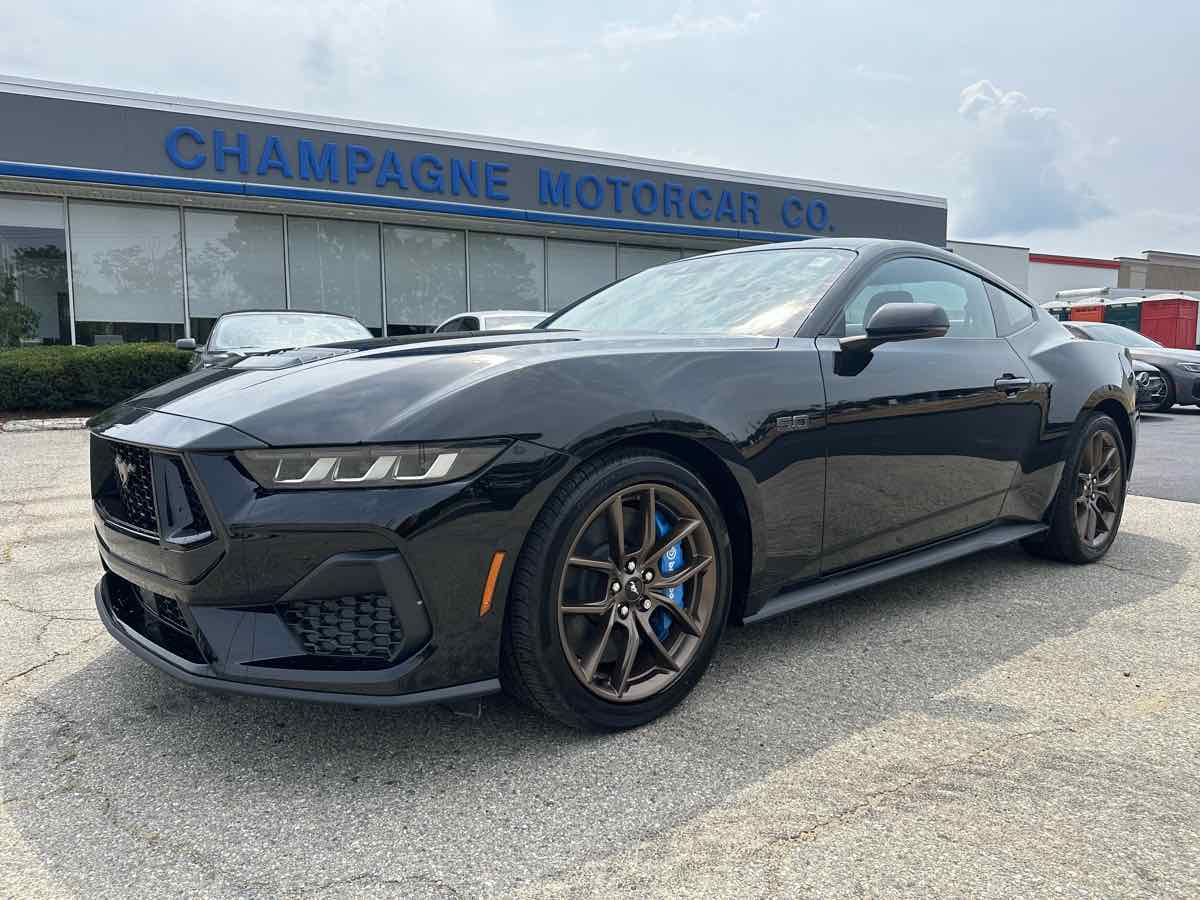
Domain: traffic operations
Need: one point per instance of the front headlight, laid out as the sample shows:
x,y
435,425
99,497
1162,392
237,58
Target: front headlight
x,y
347,467
1191,367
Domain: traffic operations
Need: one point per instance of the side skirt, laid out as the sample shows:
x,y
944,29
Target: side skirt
x,y
856,579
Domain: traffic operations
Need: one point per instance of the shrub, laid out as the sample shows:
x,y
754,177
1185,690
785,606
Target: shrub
x,y
55,377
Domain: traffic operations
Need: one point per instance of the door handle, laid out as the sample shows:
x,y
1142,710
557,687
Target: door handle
x,y
1010,384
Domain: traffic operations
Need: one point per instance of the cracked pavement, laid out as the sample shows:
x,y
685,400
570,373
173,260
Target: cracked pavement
x,y
999,726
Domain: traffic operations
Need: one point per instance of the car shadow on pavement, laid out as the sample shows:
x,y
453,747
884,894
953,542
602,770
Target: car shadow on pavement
x,y
227,795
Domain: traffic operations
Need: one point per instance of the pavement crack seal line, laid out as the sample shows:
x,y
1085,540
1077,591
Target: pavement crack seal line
x,y
131,827
53,615
810,833
54,655
1141,574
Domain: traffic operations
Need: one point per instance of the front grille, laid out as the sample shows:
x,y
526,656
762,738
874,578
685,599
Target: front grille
x,y
148,491
135,484
361,626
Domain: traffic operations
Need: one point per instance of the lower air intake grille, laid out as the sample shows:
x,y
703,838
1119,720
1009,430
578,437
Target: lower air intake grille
x,y
167,609
362,626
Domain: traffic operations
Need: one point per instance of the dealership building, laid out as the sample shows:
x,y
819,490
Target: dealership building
x,y
128,217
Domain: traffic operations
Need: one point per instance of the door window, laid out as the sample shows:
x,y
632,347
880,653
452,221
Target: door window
x,y
1012,313
916,280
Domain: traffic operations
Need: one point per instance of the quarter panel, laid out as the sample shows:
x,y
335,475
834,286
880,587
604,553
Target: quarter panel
x,y
1071,377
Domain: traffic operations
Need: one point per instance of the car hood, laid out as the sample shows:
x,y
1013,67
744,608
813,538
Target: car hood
x,y
385,389
1165,354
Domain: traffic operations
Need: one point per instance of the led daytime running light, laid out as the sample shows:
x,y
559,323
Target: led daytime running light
x,y
368,467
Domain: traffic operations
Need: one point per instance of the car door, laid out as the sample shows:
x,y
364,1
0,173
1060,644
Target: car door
x,y
923,436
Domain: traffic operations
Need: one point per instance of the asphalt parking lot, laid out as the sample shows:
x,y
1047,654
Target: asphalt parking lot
x,y
999,726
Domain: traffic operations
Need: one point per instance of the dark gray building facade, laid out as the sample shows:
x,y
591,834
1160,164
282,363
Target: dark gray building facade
x,y
136,217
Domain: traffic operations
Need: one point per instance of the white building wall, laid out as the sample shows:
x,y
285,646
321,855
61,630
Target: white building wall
x,y
1010,263
1047,279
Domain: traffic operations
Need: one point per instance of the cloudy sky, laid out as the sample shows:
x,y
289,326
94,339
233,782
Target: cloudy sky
x,y
1070,127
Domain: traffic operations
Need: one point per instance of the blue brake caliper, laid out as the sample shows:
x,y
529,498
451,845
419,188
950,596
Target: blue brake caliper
x,y
669,563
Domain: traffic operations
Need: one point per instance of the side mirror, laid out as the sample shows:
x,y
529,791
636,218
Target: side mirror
x,y
899,322
185,344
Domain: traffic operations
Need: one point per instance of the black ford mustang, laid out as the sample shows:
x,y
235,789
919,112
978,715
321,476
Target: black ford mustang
x,y
575,513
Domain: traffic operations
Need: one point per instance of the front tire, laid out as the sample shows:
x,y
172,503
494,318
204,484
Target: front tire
x,y
1086,512
600,657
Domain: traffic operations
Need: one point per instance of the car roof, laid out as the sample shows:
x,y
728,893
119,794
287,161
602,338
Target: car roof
x,y
287,312
870,249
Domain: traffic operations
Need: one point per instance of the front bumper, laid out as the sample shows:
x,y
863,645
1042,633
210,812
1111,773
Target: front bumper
x,y
367,597
204,676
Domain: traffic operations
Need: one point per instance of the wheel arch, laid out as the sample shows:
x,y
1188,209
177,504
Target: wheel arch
x,y
737,501
1113,408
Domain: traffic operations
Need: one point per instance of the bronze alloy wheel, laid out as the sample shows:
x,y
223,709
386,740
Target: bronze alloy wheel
x,y
626,631
1099,489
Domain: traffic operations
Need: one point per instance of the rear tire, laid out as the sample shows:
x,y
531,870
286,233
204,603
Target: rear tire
x,y
1066,539
565,664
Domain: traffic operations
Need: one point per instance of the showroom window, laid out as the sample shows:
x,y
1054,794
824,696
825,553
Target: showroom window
x,y
234,261
426,277
631,260
335,267
33,264
576,268
507,272
128,272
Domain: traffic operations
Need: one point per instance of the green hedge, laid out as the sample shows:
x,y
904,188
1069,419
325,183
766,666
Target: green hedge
x,y
54,377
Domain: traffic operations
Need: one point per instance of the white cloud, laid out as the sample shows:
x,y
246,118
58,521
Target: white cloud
x,y
1016,164
683,24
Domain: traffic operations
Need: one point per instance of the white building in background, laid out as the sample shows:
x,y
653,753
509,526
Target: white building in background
x,y
1009,262
1049,274
1040,275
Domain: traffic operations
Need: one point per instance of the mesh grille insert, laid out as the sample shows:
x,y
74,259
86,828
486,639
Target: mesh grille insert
x,y
362,626
136,486
167,609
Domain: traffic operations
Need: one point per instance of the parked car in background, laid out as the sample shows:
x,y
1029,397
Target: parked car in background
x,y
237,335
1180,368
493,320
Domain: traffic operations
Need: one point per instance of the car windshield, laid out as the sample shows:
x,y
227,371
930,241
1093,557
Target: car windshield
x,y
274,331
1116,334
515,320
762,292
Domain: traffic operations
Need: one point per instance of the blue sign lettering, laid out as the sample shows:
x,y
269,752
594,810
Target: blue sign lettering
x,y
556,192
318,167
427,173
391,169
496,179
464,179
673,200
272,158
359,160
193,162
645,197
593,185
241,151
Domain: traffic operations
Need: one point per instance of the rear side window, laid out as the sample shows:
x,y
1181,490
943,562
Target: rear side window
x,y
1012,313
